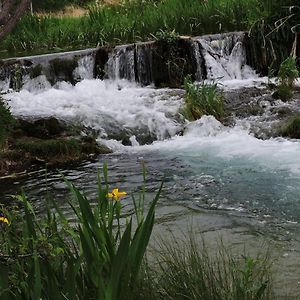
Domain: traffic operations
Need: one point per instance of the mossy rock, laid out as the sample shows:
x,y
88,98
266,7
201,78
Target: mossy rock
x,y
62,70
48,149
35,71
172,62
44,128
292,128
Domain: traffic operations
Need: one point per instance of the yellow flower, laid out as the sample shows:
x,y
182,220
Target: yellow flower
x,y
116,195
4,220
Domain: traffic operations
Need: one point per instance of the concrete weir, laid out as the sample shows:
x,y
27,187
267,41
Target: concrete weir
x,y
161,63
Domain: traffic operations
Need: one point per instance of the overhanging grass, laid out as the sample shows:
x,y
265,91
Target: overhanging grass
x,y
140,20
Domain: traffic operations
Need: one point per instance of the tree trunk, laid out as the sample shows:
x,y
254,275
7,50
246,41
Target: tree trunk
x,y
14,17
5,11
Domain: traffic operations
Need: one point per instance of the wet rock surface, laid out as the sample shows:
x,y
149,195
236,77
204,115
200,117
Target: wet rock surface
x,y
257,109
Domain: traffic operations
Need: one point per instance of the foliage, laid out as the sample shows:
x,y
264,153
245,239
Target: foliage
x,y
193,272
130,21
288,72
272,31
166,35
6,122
203,99
95,259
287,75
292,128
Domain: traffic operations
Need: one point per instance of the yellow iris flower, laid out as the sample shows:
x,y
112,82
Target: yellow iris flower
x,y
4,220
116,195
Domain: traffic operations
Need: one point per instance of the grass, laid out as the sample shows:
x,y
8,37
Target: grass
x,y
292,128
287,75
188,270
98,258
203,99
133,20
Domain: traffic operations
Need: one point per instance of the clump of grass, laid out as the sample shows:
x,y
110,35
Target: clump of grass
x,y
292,128
188,270
97,258
6,122
203,99
287,75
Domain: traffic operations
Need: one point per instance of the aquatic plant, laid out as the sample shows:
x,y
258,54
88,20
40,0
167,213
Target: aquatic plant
x,y
188,269
287,75
96,258
202,99
102,257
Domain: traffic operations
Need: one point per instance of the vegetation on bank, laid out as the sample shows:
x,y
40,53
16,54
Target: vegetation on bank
x,y
103,257
28,144
135,20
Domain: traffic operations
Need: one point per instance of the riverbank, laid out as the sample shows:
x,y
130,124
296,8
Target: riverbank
x,y
44,143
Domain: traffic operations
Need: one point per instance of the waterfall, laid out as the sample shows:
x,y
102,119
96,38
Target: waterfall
x,y
224,56
85,68
213,57
121,63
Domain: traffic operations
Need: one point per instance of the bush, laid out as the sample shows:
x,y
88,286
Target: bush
x,y
203,99
6,122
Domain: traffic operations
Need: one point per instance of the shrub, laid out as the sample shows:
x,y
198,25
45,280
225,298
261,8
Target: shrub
x,y
6,122
203,99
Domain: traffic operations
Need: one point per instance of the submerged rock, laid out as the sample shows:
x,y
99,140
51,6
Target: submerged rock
x,y
43,128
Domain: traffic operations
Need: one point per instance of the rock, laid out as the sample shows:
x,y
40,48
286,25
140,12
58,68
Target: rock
x,y
281,111
291,128
42,128
172,62
101,59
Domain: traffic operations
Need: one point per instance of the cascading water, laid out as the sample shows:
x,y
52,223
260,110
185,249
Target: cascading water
x,y
224,57
121,63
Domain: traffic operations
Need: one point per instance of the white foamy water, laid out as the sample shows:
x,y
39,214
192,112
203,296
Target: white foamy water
x,y
208,139
102,106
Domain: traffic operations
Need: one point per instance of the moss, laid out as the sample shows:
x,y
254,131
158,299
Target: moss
x,y
35,71
48,149
292,128
62,69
